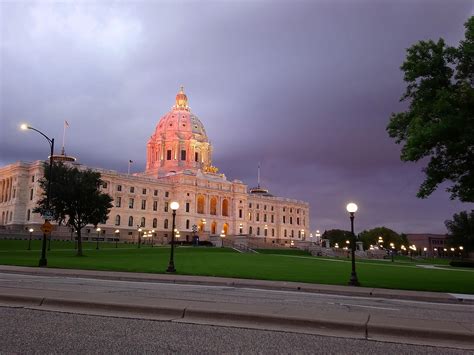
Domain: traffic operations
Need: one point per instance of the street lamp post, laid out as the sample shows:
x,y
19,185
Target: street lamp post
x,y
152,237
352,208
98,234
29,240
174,206
43,261
117,234
222,238
139,237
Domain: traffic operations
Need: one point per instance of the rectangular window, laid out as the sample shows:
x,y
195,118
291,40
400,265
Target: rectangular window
x,y
118,202
132,189
143,204
104,185
167,194
166,206
250,205
144,191
187,206
168,154
265,207
119,187
291,220
265,217
183,155
272,208
187,224
273,220
257,217
155,193
284,219
250,216
31,195
130,203
258,206
240,213
33,178
297,220
273,232
196,156
155,205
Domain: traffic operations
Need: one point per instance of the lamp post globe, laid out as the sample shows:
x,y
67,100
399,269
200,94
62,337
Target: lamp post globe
x,y
174,207
352,209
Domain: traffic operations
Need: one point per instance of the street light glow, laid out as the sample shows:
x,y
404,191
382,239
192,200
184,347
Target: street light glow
x,y
98,229
351,207
174,205
31,230
23,126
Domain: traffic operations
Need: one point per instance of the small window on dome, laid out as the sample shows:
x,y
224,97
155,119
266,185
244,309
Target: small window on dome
x,y
171,125
184,124
196,127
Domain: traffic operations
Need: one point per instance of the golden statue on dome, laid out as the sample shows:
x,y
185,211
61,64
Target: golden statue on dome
x,y
211,169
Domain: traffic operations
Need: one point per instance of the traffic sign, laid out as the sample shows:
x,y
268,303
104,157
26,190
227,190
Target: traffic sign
x,y
47,227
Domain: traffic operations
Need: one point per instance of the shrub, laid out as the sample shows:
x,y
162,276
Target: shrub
x,y
462,263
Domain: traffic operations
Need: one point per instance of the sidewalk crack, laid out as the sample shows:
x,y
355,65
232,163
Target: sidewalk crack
x,y
367,327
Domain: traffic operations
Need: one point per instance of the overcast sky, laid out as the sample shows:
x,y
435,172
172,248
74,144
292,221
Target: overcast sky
x,y
304,87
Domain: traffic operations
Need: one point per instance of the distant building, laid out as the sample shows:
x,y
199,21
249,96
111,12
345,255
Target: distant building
x,y
178,168
432,242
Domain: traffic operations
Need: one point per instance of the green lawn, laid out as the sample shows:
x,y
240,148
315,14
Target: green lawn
x,y
228,263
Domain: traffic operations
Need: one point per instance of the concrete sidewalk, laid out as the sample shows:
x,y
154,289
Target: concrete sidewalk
x,y
247,283
270,317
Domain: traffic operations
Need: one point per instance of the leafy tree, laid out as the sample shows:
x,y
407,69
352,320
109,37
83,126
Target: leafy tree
x,y
371,237
439,122
75,198
337,236
461,230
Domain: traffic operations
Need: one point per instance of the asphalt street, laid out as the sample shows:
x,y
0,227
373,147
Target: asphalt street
x,y
232,295
33,331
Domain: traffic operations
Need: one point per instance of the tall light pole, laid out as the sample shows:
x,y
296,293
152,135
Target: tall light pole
x,y
98,233
174,206
152,237
222,238
352,209
43,261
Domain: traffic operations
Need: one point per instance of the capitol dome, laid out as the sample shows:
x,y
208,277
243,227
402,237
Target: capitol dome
x,y
179,141
181,122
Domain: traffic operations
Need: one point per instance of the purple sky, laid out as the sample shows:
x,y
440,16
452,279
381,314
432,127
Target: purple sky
x,y
304,87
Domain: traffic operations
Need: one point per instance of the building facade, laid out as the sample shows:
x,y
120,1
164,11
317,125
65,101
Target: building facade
x,y
178,168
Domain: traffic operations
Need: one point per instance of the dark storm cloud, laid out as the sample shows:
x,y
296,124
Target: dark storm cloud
x,y
305,88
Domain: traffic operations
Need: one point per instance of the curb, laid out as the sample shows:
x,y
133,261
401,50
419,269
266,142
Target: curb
x,y
423,296
359,326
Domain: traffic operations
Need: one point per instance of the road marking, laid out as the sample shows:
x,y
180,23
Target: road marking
x,y
359,305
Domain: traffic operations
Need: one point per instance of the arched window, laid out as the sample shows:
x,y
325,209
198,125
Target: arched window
x,y
117,220
225,207
155,222
130,221
200,204
165,224
258,230
142,222
213,209
250,230
213,227
226,229
284,233
187,224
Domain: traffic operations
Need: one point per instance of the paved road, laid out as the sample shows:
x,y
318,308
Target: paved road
x,y
28,331
232,295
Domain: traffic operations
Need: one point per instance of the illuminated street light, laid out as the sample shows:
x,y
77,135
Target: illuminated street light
x,y
31,230
98,234
174,207
117,235
222,235
352,209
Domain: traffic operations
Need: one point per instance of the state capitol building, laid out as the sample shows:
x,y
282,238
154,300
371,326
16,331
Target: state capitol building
x,y
178,168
